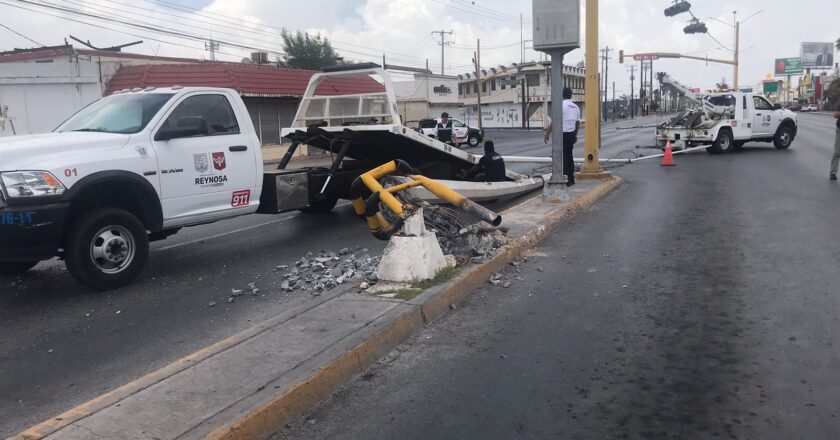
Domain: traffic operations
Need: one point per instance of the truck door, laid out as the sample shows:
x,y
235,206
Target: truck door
x,y
459,130
208,169
764,115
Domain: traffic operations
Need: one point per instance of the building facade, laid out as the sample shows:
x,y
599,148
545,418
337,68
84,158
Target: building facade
x,y
427,96
516,96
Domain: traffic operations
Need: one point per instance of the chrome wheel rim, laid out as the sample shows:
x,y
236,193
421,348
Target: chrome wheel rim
x,y
473,141
112,249
784,137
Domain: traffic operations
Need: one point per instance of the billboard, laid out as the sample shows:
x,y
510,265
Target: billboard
x,y
818,55
771,87
788,66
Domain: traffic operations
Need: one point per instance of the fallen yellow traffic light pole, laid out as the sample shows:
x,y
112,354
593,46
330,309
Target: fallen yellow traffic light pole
x,y
370,208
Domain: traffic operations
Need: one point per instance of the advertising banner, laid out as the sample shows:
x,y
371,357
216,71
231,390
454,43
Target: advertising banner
x,y
788,66
818,55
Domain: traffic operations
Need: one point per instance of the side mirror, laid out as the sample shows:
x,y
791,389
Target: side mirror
x,y
777,106
165,134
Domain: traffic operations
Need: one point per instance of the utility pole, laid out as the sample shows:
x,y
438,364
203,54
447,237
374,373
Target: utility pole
x,y
613,102
592,140
652,96
443,44
212,46
606,60
521,40
477,60
737,49
632,92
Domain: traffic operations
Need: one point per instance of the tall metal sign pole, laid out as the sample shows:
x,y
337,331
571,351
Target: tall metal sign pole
x,y
592,141
557,32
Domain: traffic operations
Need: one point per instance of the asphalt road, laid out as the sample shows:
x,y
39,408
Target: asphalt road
x,y
695,302
64,344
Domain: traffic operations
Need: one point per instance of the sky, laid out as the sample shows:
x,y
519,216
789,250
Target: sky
x,y
362,30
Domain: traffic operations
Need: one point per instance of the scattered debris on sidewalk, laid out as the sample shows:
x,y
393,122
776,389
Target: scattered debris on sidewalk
x,y
327,270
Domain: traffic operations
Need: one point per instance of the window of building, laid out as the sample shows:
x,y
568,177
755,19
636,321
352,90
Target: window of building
x,y
513,78
484,87
493,85
532,79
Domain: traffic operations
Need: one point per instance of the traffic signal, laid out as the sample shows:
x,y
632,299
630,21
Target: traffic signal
x,y
679,7
620,57
696,27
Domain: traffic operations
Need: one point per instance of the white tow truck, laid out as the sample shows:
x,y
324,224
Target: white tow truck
x,y
141,164
726,121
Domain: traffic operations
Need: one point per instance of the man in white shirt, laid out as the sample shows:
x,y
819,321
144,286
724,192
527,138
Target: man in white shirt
x,y
571,125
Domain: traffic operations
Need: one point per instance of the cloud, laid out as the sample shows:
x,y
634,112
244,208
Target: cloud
x,y
364,29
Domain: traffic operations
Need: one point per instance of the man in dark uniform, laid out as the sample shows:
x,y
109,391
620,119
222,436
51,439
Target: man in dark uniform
x,y
444,130
490,168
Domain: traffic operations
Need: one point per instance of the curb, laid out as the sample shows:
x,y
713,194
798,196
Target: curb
x,y
419,312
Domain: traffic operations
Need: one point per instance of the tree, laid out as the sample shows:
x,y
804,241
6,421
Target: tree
x,y
303,51
832,93
722,85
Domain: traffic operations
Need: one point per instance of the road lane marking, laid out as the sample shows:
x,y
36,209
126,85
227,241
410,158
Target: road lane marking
x,y
231,232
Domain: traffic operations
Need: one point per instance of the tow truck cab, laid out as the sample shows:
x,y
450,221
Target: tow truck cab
x,y
129,168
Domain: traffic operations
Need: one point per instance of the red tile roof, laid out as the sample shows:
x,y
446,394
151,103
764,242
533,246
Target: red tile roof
x,y
247,79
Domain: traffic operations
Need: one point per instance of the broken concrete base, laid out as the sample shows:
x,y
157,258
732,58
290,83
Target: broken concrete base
x,y
413,255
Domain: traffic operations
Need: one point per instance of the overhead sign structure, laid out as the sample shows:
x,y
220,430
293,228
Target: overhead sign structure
x,y
818,55
771,87
788,66
646,57
556,25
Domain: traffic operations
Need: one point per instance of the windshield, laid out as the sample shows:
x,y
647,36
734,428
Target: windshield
x,y
117,114
722,100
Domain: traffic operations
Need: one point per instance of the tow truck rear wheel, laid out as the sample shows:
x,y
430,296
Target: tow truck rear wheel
x,y
107,248
723,143
16,267
784,137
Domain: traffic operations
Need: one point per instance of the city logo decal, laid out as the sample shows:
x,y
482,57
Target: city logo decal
x,y
219,162
202,164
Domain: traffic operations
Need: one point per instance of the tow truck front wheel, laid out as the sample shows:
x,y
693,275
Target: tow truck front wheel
x,y
723,143
16,267
784,137
107,248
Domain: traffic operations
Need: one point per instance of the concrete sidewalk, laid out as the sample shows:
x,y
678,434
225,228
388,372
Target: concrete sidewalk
x,y
251,384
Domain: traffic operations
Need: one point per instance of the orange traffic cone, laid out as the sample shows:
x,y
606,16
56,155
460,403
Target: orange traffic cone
x,y
668,159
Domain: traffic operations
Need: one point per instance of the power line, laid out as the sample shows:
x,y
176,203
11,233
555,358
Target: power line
x,y
20,34
124,21
462,9
146,37
489,10
238,26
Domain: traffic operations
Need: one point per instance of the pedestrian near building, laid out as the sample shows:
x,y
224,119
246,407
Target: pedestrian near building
x,y
571,125
835,160
444,130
